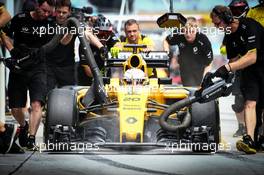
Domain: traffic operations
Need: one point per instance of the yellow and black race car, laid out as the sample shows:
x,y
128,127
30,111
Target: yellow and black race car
x,y
136,110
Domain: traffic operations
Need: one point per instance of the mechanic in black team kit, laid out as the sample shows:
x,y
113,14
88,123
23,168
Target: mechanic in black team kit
x,y
7,131
29,33
195,53
105,40
244,44
239,9
60,61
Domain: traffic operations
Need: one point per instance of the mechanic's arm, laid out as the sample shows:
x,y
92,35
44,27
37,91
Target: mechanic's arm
x,y
210,60
93,39
207,51
87,70
166,46
4,16
116,49
6,41
103,51
246,60
170,41
208,68
233,59
119,45
174,63
66,39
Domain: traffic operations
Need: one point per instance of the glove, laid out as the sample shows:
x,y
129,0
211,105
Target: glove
x,y
20,51
222,72
23,60
115,51
206,82
103,52
16,54
12,65
223,50
35,54
31,59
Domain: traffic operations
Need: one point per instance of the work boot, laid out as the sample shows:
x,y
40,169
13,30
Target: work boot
x,y
16,149
7,138
240,131
261,143
246,145
23,135
31,144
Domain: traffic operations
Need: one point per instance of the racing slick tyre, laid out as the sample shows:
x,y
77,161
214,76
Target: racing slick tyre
x,y
62,110
206,126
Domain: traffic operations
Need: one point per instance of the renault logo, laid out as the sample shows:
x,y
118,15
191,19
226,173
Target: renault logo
x,y
131,120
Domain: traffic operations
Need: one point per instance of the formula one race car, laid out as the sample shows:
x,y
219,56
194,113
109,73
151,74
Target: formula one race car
x,y
136,110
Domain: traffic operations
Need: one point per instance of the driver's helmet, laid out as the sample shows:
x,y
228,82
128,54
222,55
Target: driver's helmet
x,y
239,8
103,27
135,76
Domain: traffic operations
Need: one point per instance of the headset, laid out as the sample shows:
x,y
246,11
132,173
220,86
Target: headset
x,y
226,16
239,8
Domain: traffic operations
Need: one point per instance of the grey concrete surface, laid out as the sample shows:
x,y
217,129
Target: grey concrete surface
x,y
223,162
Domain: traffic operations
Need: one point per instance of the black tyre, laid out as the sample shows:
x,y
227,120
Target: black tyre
x,y
62,110
207,114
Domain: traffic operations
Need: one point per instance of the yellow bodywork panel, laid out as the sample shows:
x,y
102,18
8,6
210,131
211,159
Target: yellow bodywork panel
x,y
132,109
81,93
133,103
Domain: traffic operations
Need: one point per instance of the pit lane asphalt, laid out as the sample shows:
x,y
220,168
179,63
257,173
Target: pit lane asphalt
x,y
176,163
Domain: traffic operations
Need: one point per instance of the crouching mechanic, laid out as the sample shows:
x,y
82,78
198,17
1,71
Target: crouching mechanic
x,y
133,36
25,29
244,37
